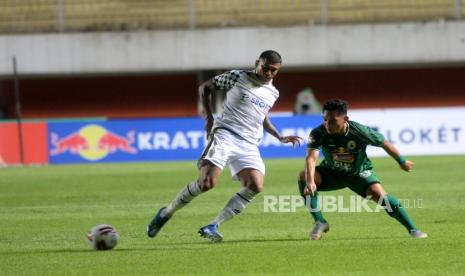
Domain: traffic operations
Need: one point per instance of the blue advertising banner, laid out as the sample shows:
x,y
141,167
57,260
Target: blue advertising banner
x,y
156,139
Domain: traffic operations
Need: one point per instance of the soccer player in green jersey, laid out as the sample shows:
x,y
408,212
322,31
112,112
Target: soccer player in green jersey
x,y
346,164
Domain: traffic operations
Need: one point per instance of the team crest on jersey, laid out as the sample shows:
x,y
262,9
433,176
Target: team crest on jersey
x,y
351,144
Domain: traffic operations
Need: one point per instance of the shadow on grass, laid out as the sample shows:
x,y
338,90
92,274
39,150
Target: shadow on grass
x,y
58,251
152,246
370,238
206,241
188,245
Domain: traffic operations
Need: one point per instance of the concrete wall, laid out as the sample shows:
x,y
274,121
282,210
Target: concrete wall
x,y
303,47
174,95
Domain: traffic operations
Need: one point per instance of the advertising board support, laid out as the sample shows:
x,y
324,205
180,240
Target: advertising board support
x,y
18,111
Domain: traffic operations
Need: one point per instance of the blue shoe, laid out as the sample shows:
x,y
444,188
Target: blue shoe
x,y
211,232
156,224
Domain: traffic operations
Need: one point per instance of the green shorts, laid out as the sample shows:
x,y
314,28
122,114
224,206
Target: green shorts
x,y
334,180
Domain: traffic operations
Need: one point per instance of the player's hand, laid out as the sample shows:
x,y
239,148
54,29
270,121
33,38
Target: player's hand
x,y
310,189
407,166
295,140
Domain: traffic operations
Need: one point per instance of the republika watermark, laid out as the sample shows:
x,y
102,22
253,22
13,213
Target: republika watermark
x,y
330,203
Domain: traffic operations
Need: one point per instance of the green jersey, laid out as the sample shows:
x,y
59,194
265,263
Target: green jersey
x,y
346,153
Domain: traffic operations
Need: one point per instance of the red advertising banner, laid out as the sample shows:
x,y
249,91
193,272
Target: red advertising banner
x,y
34,143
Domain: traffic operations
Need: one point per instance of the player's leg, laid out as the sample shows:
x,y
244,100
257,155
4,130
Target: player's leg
x,y
248,167
325,180
208,179
393,208
311,201
252,181
211,163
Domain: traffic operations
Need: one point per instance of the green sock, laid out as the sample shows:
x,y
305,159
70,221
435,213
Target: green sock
x,y
398,212
314,211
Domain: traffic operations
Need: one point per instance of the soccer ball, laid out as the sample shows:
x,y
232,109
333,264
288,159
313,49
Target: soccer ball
x,y
103,237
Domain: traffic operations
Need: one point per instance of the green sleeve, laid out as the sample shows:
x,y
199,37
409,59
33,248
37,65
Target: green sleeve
x,y
371,136
314,139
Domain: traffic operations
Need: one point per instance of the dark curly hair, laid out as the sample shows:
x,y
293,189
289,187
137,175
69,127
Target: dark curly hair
x,y
271,56
336,105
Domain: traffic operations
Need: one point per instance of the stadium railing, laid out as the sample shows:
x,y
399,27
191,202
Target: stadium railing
x,y
120,15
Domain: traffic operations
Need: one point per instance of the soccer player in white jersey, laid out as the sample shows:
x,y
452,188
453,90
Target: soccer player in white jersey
x,y
232,141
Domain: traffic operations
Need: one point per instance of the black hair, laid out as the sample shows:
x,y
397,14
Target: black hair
x,y
271,56
336,105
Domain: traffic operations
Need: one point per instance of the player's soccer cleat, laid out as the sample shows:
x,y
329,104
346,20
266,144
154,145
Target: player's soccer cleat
x,y
318,229
418,234
211,232
156,224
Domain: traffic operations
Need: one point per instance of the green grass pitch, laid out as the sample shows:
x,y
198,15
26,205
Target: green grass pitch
x,y
45,213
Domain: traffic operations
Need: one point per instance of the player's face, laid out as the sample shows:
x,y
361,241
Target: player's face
x,y
266,71
335,122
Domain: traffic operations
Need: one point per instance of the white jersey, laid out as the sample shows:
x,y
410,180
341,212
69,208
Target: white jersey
x,y
246,105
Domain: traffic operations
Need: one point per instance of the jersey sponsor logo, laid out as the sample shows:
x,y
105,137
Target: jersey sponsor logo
x,y
343,159
255,101
342,166
341,154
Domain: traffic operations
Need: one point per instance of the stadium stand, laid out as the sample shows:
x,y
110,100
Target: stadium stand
x,y
97,96
121,15
153,95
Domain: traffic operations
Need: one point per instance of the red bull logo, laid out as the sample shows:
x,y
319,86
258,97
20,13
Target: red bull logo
x,y
92,142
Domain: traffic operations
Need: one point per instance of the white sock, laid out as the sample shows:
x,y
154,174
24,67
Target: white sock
x,y
182,198
235,205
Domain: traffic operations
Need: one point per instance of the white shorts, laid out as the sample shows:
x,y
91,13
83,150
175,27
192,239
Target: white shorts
x,y
225,148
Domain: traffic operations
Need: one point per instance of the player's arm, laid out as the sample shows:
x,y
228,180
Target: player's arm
x,y
269,127
310,164
390,149
376,139
205,91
